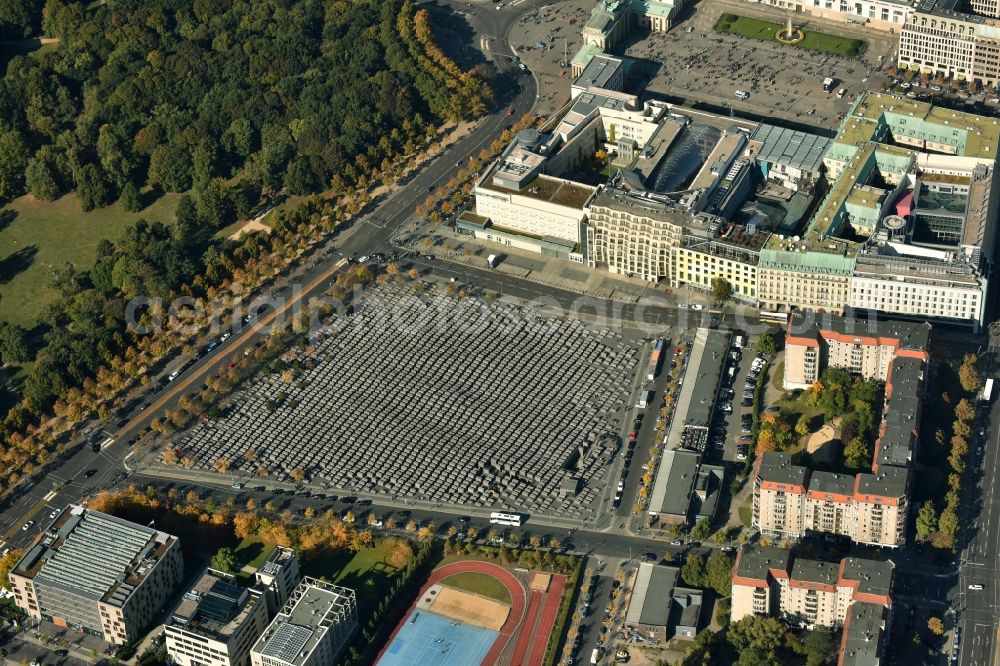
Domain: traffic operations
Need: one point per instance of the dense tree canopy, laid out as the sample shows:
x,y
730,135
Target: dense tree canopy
x,y
176,93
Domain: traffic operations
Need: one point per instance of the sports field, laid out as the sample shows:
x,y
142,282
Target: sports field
x,y
427,638
479,583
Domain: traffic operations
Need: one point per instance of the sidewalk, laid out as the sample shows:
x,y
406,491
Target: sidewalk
x,y
552,272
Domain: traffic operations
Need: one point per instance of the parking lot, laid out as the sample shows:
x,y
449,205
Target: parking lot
x,y
439,400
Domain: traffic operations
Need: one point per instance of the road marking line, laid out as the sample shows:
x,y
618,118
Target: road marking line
x,y
50,496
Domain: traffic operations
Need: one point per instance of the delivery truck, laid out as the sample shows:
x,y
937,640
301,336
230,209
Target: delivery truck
x,y
655,360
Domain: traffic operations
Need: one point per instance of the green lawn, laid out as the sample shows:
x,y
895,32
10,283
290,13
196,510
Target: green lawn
x,y
746,516
479,583
37,236
252,552
778,376
766,31
369,572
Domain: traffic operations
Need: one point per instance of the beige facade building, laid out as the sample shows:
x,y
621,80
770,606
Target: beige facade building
x,y
880,14
791,500
216,623
941,40
785,280
866,347
633,233
771,582
99,574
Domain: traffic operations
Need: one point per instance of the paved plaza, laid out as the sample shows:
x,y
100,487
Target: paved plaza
x,y
706,66
441,400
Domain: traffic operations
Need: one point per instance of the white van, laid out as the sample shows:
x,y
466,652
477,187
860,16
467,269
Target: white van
x,y
742,94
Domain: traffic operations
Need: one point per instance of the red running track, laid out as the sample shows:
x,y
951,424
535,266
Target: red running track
x,y
547,620
538,624
501,574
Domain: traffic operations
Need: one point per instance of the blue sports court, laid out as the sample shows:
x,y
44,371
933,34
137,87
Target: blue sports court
x,y
432,640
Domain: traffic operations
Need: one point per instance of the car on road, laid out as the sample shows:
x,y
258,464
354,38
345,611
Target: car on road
x,y
89,473
363,259
676,542
53,514
646,557
510,111
522,67
173,375
976,587
225,336
682,306
28,525
633,435
697,306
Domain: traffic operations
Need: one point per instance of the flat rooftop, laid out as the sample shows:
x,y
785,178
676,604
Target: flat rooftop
x,y
94,555
550,190
874,576
295,632
777,467
815,571
862,644
914,336
599,71
889,482
642,204
902,413
214,606
755,562
830,483
709,355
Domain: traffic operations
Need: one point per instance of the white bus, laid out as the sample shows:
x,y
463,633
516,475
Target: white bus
x,y
774,317
500,518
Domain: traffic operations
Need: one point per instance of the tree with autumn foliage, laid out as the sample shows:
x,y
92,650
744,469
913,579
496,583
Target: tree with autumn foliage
x,y
968,374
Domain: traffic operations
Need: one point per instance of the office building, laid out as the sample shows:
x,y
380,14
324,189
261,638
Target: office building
x,y
771,582
216,623
98,574
952,39
865,347
659,609
278,576
312,628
